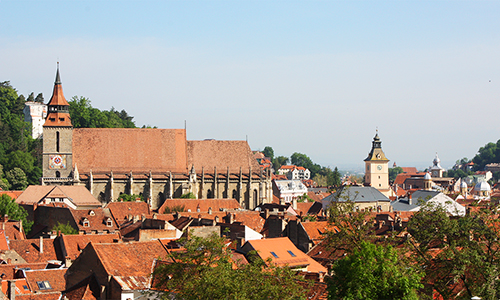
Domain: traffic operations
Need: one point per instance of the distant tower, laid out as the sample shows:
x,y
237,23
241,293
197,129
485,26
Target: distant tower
x,y
57,138
436,169
427,182
377,168
35,113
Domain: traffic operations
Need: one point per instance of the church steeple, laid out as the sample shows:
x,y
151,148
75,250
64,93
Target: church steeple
x,y
376,154
58,114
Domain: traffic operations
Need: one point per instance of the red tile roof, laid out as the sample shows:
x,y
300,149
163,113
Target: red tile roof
x,y
130,259
208,154
281,247
22,287
29,250
12,194
122,210
3,241
74,244
13,230
202,204
77,194
316,230
97,220
10,269
55,277
119,150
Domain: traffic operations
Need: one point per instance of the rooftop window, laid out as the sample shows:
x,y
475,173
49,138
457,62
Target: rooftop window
x,y
43,285
291,253
274,254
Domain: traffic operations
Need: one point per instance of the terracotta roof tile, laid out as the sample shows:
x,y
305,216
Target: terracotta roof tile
x,y
222,155
74,244
22,287
122,210
12,194
10,269
29,250
3,241
55,278
87,289
77,194
316,230
13,230
98,220
51,296
202,204
118,149
281,247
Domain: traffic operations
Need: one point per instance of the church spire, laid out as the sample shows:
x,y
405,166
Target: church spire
x,y
58,114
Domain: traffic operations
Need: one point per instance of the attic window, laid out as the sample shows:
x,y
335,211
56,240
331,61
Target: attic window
x,y
92,213
274,254
86,223
109,223
43,285
291,253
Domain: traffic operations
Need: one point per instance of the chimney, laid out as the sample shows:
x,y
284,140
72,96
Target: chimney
x,y
266,213
12,289
5,218
41,244
231,218
209,210
321,276
67,262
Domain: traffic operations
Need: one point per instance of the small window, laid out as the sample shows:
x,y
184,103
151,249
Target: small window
x,y
25,287
109,223
291,253
43,285
274,254
86,223
92,213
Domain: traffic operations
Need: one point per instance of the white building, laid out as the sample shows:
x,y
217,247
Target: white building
x,y
35,113
288,190
293,172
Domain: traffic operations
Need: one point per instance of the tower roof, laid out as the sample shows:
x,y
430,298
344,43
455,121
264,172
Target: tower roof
x,y
58,114
376,154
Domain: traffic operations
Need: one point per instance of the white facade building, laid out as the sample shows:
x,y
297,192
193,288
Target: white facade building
x,y
35,113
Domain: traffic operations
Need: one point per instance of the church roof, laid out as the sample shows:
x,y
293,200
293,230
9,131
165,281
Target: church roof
x,y
58,118
129,149
208,154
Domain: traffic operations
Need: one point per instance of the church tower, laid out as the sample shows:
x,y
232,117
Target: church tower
x,y
377,168
57,138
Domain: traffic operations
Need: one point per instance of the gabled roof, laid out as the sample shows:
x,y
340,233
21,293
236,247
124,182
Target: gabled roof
x,y
4,245
357,194
282,252
122,210
316,230
410,170
78,194
55,278
130,259
208,154
203,205
129,149
74,244
22,287
87,289
30,251
97,219
9,270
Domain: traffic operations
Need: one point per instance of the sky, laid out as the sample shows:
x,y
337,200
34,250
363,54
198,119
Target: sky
x,y
314,77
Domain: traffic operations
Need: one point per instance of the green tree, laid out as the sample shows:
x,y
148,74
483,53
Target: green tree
x,y
373,272
64,228
393,172
457,252
39,98
334,178
279,161
83,115
188,196
490,153
129,198
17,179
9,207
268,152
206,270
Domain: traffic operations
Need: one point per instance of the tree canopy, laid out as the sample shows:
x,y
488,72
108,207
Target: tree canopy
x,y
9,207
373,272
207,270
490,153
83,115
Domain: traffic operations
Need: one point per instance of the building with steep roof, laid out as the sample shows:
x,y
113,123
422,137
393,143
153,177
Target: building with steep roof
x,y
364,198
377,168
122,269
74,197
157,164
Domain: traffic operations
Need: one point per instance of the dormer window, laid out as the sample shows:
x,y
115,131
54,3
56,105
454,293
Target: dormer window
x,y
86,222
109,222
91,213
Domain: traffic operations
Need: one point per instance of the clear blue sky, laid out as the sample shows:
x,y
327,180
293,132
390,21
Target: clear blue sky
x,y
316,77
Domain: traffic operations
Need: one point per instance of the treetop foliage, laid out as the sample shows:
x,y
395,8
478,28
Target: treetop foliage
x,y
490,153
83,115
207,270
9,207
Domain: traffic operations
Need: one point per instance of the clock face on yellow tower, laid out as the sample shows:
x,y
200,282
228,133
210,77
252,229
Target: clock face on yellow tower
x,y
379,167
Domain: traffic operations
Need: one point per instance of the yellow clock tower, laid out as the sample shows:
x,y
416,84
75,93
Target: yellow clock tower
x,y
377,168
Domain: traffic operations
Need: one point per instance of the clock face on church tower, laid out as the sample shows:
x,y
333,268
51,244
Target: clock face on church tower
x,y
57,162
379,167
